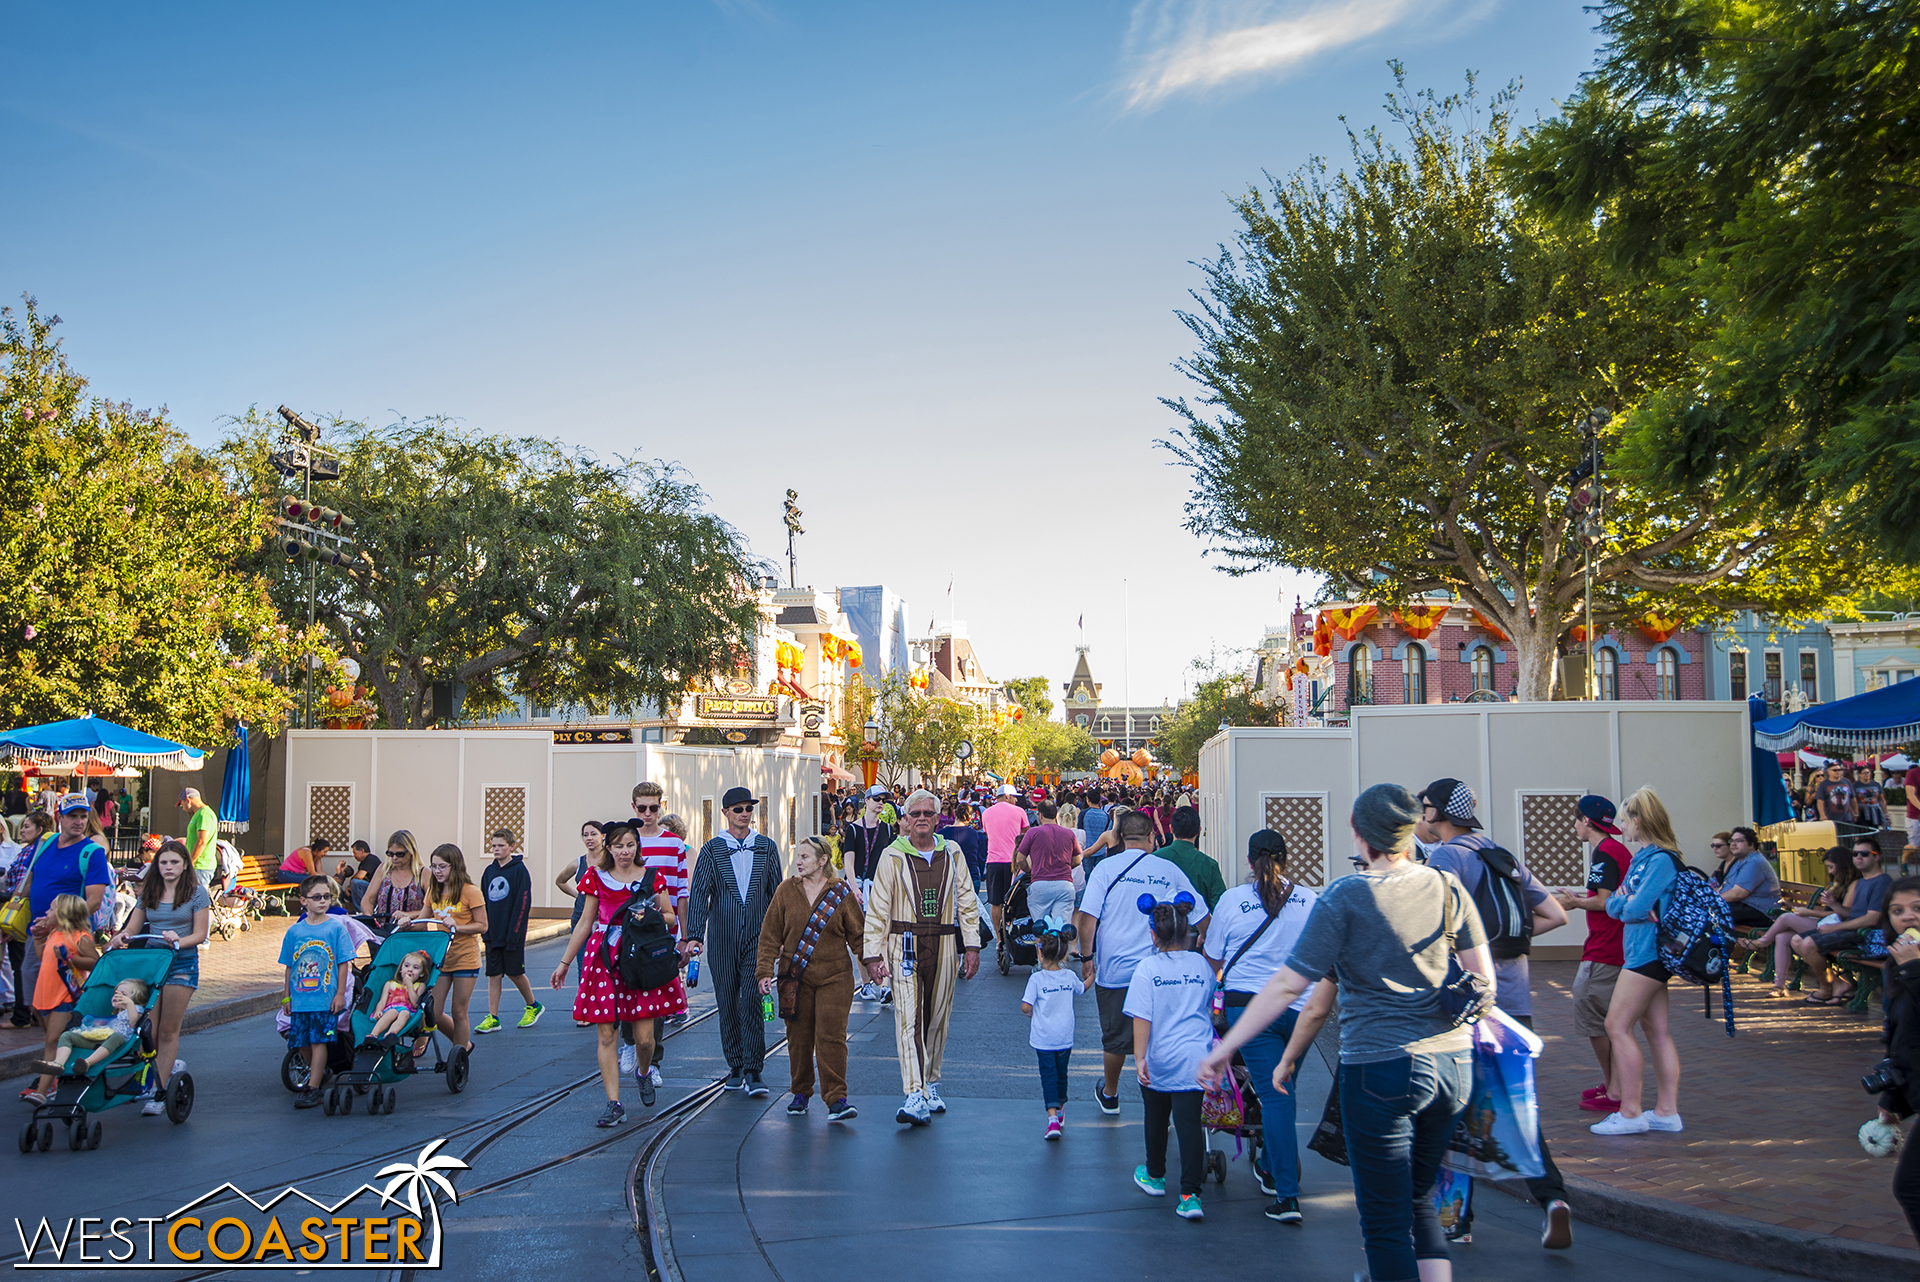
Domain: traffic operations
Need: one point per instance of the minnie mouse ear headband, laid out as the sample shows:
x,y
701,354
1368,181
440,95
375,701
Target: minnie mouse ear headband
x,y
1051,925
1147,903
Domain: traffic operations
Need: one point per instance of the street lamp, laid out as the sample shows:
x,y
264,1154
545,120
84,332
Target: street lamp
x,y
870,759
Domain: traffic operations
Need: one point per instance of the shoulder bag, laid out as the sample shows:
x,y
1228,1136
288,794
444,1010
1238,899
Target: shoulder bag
x,y
787,983
1466,995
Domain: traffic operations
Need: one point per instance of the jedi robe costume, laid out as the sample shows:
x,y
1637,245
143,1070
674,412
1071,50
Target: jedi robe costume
x,y
926,896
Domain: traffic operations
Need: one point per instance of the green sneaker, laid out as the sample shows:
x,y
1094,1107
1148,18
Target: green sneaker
x,y
1189,1208
487,1025
1148,1185
531,1015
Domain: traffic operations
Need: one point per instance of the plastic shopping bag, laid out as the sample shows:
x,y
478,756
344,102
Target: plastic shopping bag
x,y
1498,1137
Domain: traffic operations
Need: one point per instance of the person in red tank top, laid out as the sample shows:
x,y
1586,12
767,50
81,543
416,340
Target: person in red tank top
x,y
1604,954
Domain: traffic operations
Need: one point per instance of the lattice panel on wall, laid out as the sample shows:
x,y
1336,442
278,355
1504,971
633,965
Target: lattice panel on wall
x,y
1547,843
504,805
1302,819
330,813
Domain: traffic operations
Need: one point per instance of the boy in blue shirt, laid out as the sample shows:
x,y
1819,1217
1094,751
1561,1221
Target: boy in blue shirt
x,y
315,953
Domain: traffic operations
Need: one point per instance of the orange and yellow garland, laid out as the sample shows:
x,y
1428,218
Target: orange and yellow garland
x,y
1419,621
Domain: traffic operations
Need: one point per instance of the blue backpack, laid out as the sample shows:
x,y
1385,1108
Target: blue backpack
x,y
1696,934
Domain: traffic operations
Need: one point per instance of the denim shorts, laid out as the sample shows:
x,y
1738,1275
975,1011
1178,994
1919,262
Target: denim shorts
x,y
474,973
185,970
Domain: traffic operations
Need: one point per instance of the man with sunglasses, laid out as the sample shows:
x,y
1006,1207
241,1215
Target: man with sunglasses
x,y
922,898
666,855
733,882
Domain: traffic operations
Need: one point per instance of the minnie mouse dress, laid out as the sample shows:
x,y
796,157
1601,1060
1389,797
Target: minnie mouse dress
x,y
601,998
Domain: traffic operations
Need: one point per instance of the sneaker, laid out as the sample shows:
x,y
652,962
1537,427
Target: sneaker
x,y
47,1068
307,1099
797,1106
491,1024
844,1111
886,996
913,1111
1671,1122
615,1114
1054,1129
179,1066
646,1090
1265,1179
153,1108
934,1103
1189,1208
626,1060
1614,1124
866,993
732,1082
1286,1210
531,1015
1557,1233
756,1089
1109,1104
1600,1104
653,1075
1150,1185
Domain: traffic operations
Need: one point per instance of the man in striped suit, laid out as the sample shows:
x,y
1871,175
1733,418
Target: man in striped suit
x,y
733,882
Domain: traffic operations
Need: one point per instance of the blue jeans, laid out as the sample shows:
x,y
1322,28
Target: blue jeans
x,y
1279,1138
1053,1076
1398,1115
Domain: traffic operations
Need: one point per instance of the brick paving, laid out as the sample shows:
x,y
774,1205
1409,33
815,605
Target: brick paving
x,y
1771,1114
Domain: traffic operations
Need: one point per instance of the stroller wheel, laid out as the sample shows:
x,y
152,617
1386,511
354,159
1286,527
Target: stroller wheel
x,y
180,1098
294,1071
457,1070
346,1100
46,1137
77,1133
29,1138
331,1104
393,1100
93,1136
1217,1166
1001,955
375,1102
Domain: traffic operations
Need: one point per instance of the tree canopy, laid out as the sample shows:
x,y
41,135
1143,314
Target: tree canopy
x,y
1219,696
1395,358
124,588
512,566
1031,694
1761,158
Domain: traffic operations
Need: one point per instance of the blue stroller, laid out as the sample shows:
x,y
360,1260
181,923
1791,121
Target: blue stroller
x,y
359,1066
123,1077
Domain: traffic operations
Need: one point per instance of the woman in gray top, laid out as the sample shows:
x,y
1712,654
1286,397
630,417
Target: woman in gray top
x,y
174,905
1386,935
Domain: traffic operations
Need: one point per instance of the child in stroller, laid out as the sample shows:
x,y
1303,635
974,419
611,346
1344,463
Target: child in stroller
x,y
400,999
1018,944
99,1038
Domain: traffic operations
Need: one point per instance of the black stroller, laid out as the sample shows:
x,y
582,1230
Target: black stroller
x,y
1016,945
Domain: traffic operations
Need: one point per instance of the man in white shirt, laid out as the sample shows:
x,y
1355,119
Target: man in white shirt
x,y
1115,936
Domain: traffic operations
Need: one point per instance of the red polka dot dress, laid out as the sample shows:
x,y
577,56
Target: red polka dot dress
x,y
601,998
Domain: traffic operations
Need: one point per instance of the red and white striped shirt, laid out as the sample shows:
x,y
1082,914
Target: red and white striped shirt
x,y
667,855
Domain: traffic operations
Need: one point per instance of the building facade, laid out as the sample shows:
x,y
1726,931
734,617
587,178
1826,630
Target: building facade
x,y
1790,663
1874,653
1120,728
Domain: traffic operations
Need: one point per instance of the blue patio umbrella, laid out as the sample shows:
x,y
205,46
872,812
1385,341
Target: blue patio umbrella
x,y
1770,803
236,789
1883,718
89,738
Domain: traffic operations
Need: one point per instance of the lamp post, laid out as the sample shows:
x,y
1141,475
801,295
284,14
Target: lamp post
x,y
870,758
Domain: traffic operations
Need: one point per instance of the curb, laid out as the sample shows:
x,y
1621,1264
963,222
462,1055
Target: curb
x,y
213,1014
1727,1237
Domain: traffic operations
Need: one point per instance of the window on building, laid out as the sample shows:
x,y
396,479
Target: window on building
x,y
1153,726
1106,725
1482,668
1360,676
1772,678
1415,666
1737,675
1810,675
1607,665
1666,672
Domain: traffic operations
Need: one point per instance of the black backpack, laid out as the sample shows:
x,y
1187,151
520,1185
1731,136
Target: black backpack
x,y
639,947
1501,898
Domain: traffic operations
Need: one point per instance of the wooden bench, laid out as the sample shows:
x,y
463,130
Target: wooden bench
x,y
261,876
1795,897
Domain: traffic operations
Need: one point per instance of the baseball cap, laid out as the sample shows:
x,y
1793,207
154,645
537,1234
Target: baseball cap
x,y
74,801
1598,811
1454,801
1007,790
877,791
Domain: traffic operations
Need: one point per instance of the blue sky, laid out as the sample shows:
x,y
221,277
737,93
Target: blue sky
x,y
920,262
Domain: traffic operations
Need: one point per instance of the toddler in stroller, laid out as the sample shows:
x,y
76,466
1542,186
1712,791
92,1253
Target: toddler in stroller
x,y
99,1038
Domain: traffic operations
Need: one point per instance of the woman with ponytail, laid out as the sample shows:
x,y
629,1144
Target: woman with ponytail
x,y
1254,929
1170,1000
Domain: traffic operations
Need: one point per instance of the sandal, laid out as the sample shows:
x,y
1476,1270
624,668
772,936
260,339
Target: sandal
x,y
1818,1001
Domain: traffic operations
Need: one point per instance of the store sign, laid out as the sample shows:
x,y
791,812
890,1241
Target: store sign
x,y
736,707
593,736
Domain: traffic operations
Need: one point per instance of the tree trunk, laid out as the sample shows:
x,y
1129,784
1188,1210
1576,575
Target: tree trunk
x,y
1535,649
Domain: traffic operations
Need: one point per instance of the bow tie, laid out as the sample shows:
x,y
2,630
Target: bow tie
x,y
736,846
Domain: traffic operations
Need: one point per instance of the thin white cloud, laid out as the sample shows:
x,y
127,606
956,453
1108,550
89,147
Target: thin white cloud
x,y
1182,46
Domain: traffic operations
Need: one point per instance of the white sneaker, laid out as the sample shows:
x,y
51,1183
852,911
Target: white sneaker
x,y
1614,1124
153,1108
864,993
1671,1122
934,1103
626,1060
653,1075
914,1111
179,1066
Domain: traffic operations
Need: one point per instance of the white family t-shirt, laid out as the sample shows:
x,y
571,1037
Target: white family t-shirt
x,y
1236,919
1174,993
1112,897
1051,994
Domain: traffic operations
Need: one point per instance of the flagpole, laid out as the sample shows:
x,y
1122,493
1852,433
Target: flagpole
x,y
1126,661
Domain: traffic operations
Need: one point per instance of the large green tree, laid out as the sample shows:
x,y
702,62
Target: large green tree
x,y
1394,359
1762,159
1219,697
124,581
512,567
1031,694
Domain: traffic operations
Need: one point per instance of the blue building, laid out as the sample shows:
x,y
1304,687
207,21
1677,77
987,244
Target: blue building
x,y
879,622
1875,653
1774,657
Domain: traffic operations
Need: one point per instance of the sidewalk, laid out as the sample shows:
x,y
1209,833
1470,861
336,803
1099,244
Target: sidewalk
x,y
238,978
1768,1167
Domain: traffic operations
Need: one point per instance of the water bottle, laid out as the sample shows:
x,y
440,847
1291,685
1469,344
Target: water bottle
x,y
768,1011
693,973
906,955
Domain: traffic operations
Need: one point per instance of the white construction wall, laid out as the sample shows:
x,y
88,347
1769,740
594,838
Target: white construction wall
x,y
459,786
1526,762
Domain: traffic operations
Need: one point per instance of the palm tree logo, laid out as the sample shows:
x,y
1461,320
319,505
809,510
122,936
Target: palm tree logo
x,y
423,1174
